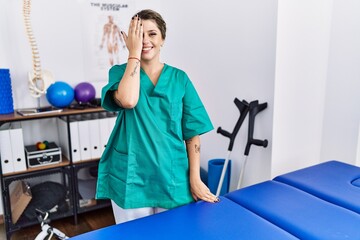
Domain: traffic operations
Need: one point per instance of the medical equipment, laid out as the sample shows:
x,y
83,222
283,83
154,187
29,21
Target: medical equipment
x,y
253,108
309,203
39,80
243,107
47,232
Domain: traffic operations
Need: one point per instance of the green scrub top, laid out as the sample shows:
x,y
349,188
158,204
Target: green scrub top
x,y
145,162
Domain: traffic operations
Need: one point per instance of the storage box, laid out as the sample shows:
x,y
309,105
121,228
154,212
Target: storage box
x,y
36,158
20,197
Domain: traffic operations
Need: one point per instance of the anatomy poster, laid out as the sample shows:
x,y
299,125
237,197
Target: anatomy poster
x,y
103,45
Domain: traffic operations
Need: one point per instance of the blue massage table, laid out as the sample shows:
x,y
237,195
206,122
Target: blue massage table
x,y
335,182
318,202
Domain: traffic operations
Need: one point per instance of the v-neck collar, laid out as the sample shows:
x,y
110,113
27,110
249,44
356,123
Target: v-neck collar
x,y
148,84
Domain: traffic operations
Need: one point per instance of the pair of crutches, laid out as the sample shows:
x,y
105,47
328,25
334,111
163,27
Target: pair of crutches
x,y
253,108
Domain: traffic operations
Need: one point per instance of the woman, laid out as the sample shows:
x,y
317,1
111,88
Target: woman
x,y
146,167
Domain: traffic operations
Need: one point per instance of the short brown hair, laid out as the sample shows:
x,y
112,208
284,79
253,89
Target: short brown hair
x,y
148,14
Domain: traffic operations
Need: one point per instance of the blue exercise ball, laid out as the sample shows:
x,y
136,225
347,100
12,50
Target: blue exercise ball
x,y
60,94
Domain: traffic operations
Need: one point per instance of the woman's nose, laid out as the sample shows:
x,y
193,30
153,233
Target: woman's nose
x,y
145,38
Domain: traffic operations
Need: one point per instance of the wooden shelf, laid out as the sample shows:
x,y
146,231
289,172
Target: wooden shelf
x,y
86,161
63,163
12,117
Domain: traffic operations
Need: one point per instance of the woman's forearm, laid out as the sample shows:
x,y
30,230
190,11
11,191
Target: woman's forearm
x,y
193,151
127,94
199,190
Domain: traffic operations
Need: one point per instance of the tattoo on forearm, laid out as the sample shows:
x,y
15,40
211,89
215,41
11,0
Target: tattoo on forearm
x,y
197,148
135,69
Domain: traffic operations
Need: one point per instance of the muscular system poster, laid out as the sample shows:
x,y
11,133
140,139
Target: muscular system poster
x,y
103,45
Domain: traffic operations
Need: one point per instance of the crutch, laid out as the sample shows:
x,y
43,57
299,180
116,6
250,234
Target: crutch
x,y
243,107
254,108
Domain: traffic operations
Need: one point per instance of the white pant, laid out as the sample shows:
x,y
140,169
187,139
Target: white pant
x,y
123,215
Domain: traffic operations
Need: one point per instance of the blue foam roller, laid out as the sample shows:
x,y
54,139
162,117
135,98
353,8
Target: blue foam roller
x,y
6,103
215,167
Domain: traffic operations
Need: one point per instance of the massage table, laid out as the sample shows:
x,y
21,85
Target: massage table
x,y
333,181
318,202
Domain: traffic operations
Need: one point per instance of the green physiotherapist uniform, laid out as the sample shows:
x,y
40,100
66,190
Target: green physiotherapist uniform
x,y
145,163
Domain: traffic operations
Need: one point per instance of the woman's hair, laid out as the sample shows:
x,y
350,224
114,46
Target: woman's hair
x,y
148,14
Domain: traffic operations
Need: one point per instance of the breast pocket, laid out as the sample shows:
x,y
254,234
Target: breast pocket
x,y
175,118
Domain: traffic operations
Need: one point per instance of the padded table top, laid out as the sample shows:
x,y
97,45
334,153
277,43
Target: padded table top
x,y
224,220
297,212
333,181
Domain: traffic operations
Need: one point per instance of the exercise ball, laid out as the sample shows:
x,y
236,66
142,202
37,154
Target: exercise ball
x,y
84,92
60,94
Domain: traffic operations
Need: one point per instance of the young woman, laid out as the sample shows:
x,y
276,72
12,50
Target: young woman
x,y
146,167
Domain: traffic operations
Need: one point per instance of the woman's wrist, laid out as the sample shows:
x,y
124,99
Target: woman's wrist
x,y
194,175
134,58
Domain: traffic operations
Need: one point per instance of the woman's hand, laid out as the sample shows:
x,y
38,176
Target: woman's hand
x,y
200,191
134,39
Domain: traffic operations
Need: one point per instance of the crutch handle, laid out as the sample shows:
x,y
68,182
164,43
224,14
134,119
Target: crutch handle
x,y
261,143
223,132
257,142
243,107
254,109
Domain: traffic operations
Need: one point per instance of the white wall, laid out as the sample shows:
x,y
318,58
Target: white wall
x,y
4,39
303,32
342,100
317,100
